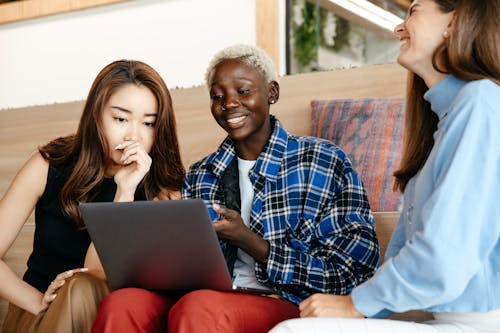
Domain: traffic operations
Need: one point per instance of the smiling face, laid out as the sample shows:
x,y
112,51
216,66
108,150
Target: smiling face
x,y
240,99
423,31
129,115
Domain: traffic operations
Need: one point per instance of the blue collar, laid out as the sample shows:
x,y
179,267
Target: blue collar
x,y
442,94
267,164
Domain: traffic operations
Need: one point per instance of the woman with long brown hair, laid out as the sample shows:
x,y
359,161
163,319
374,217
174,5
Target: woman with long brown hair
x,y
444,256
125,149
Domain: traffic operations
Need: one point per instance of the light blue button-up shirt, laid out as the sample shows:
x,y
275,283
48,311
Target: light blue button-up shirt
x,y
444,255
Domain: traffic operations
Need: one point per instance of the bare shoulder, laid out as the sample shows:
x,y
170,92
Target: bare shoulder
x,y
32,177
20,199
38,160
36,167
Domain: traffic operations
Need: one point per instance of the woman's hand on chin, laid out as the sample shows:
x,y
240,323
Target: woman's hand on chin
x,y
136,163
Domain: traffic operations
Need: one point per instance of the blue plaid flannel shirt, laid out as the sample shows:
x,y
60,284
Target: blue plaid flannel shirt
x,y
309,204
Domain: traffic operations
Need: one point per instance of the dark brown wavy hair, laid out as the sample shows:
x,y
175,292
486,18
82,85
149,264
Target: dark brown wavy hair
x,y
470,53
87,149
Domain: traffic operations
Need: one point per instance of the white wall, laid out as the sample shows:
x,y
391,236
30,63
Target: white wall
x,y
56,58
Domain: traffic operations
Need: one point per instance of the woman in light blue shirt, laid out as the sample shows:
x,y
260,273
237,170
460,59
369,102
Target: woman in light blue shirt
x,y
444,256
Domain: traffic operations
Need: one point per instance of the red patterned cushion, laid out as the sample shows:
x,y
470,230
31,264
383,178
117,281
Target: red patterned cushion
x,y
370,132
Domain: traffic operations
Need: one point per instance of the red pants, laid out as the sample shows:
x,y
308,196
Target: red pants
x,y
139,310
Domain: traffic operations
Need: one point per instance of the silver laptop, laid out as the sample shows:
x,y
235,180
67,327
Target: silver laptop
x,y
158,245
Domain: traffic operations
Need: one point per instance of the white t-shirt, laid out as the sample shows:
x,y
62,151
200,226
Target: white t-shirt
x,y
244,267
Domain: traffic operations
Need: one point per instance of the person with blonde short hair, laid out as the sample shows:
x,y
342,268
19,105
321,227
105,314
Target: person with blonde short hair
x,y
291,215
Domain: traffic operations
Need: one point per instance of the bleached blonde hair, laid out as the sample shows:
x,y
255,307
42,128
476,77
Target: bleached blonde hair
x,y
247,54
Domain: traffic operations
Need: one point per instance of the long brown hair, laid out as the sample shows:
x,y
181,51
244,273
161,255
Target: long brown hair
x,y
87,148
470,53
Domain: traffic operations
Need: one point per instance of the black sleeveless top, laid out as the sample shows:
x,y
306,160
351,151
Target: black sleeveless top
x,y
59,245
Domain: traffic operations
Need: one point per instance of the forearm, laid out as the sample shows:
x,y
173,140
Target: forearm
x,y
123,195
254,245
18,292
93,263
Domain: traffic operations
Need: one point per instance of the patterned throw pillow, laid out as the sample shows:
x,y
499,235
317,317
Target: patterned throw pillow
x,y
370,132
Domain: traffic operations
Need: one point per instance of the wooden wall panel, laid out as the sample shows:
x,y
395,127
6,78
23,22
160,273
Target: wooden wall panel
x,y
29,9
267,28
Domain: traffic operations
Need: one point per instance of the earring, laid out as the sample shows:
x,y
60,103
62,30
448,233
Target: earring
x,y
271,101
446,34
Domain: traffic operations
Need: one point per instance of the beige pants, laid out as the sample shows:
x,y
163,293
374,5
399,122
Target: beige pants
x,y
73,310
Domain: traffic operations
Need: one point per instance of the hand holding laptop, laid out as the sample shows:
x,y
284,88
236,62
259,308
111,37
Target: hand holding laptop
x,y
232,229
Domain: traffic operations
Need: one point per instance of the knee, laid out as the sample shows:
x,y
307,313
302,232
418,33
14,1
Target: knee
x,y
83,285
134,301
82,280
194,302
282,327
195,310
122,299
132,310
